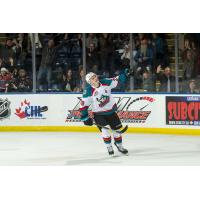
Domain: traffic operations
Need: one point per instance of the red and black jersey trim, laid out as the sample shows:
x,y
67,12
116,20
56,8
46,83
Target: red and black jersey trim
x,y
84,108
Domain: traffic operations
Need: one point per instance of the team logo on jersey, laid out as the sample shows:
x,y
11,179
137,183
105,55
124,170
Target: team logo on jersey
x,y
103,100
29,111
5,110
96,93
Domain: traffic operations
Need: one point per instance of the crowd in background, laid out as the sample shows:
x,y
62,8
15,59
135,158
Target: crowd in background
x,y
59,61
15,63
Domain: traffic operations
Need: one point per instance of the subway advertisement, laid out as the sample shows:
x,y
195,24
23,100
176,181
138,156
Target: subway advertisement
x,y
183,110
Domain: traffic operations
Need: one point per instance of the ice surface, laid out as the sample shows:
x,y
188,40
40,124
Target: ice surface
x,y
70,148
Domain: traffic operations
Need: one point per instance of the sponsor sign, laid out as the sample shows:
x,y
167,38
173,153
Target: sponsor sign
x,y
183,110
27,110
129,109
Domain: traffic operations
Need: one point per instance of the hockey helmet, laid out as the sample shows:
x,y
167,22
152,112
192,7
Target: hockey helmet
x,y
89,76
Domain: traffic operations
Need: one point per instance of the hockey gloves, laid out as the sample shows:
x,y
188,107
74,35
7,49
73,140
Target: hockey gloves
x,y
88,122
129,72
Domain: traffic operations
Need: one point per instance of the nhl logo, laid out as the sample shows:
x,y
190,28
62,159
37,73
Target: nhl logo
x,y
4,109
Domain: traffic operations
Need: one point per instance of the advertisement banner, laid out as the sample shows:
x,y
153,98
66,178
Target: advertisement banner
x,y
134,110
183,110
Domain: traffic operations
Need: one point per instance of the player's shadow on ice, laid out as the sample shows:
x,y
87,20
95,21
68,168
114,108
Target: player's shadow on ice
x,y
116,159
133,155
105,160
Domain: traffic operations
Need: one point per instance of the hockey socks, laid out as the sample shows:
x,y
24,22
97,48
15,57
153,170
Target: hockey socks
x,y
107,141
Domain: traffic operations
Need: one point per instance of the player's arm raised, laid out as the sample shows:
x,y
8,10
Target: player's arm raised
x,y
121,79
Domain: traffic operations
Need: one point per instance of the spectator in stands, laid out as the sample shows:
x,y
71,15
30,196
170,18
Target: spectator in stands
x,y
148,81
137,43
80,39
68,82
91,39
107,50
196,55
47,62
126,56
57,78
75,50
194,48
158,45
5,80
80,81
8,63
144,57
141,36
120,40
8,52
22,43
22,82
191,88
150,43
92,58
187,46
17,48
189,65
167,80
15,73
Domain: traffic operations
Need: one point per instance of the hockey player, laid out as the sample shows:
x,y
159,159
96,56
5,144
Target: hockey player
x,y
98,95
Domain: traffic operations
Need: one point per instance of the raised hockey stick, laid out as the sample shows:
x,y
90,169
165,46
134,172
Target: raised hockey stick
x,y
117,131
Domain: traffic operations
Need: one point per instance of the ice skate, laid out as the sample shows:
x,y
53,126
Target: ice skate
x,y
110,150
121,148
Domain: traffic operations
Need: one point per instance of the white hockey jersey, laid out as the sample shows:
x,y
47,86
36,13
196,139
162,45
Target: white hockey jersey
x,y
100,98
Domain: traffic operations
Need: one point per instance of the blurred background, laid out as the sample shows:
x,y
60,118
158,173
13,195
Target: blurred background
x,y
58,62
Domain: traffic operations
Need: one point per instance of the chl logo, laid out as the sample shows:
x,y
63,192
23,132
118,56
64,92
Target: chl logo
x,y
26,110
4,109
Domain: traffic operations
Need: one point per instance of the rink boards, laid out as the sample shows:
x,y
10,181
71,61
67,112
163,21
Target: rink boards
x,y
146,113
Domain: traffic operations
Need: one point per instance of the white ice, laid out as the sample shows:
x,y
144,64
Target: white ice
x,y
70,148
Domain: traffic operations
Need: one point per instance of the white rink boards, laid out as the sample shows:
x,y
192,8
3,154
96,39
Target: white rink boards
x,y
141,112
